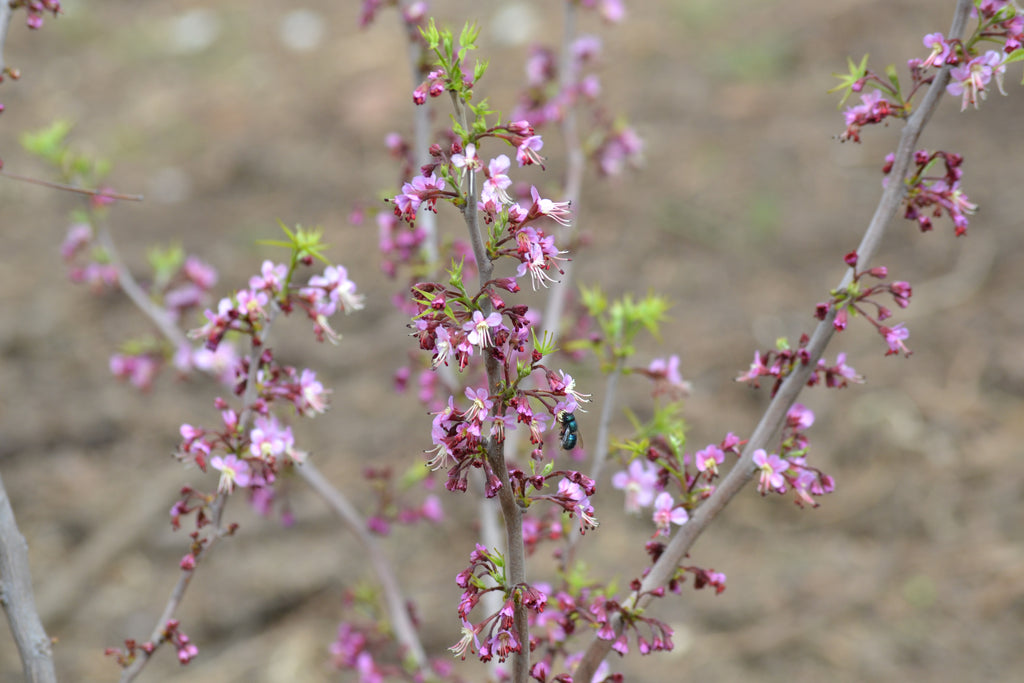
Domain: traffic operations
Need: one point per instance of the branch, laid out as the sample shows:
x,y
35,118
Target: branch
x,y
575,158
17,599
512,514
72,188
135,292
421,133
5,23
775,415
157,637
405,630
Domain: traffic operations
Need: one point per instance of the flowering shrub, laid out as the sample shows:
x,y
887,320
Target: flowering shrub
x,y
493,365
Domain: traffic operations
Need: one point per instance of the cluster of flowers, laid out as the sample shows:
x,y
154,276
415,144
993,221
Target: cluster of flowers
x,y
851,300
483,575
929,196
179,287
546,101
554,615
247,452
646,480
427,188
459,435
780,363
565,612
789,469
461,328
172,634
249,309
356,647
970,77
35,9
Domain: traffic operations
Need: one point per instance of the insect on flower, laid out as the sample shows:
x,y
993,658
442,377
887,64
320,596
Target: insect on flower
x,y
570,430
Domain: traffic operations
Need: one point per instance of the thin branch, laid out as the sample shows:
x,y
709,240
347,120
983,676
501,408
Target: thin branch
x,y
600,452
5,24
157,637
401,623
135,292
17,599
568,81
512,514
487,515
775,415
72,188
416,56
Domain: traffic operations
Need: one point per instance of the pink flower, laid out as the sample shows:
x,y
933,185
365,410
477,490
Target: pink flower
x,y
971,79
894,337
339,290
666,513
709,459
800,417
557,211
480,406
314,396
479,328
271,277
638,482
494,189
527,152
469,160
270,440
232,471
772,467
940,50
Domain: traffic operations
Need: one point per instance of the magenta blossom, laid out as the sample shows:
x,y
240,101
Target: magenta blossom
x,y
638,482
771,468
232,471
666,513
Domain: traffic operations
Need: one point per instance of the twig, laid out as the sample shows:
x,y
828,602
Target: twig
x,y
135,292
600,451
775,414
421,133
17,599
402,625
5,24
512,514
157,637
71,188
568,80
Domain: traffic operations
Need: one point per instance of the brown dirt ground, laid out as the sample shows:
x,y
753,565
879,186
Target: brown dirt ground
x,y
913,569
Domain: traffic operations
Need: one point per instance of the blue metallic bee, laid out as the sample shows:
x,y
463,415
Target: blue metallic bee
x,y
570,430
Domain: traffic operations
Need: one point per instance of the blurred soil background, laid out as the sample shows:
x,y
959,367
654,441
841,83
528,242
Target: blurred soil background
x,y
231,115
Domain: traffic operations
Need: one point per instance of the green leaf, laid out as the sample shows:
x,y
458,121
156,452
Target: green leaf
x,y
48,143
857,72
894,78
545,346
479,69
594,300
431,35
467,39
1015,56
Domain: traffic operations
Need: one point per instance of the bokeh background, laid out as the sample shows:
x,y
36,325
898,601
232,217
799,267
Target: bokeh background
x,y
231,115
